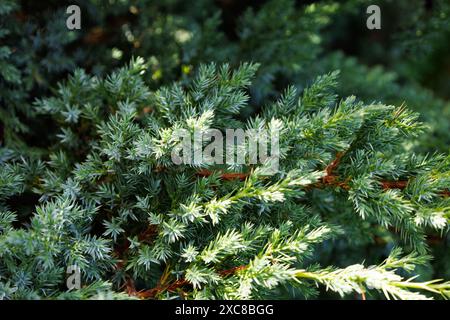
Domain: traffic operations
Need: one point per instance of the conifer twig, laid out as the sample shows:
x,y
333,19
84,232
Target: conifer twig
x,y
330,179
173,286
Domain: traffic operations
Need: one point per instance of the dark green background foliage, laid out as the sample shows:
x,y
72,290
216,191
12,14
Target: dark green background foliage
x,y
86,123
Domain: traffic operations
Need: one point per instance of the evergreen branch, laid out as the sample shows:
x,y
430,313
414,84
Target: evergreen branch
x,y
328,180
172,286
353,278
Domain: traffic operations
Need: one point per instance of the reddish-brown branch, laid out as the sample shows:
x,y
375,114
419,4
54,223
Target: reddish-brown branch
x,y
227,272
402,184
394,184
329,180
148,233
130,288
228,176
446,193
173,286
333,165
151,293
